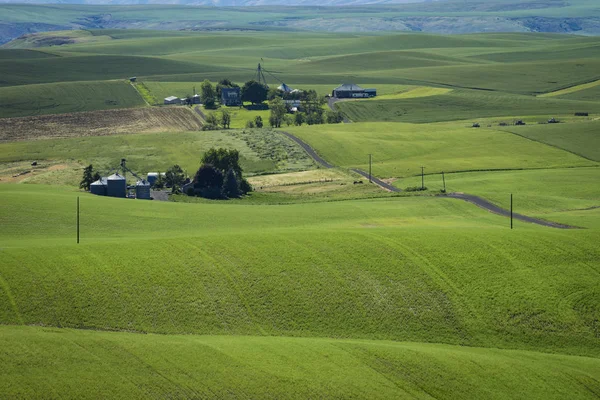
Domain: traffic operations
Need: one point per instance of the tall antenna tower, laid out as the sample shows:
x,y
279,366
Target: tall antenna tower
x,y
260,77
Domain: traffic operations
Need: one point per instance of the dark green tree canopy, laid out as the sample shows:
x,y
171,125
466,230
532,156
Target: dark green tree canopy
x,y
208,176
174,176
89,176
254,92
224,160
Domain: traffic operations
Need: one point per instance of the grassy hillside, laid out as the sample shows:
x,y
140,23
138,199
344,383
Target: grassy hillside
x,y
58,98
401,269
580,138
400,150
565,195
318,284
460,105
261,151
224,366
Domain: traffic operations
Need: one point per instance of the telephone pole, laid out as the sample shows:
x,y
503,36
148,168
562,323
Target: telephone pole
x,y
444,180
370,162
422,178
77,219
511,211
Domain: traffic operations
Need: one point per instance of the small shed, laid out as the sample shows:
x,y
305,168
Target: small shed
x,y
196,99
153,176
172,100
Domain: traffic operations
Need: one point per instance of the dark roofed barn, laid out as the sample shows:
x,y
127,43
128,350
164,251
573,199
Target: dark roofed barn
x,y
350,90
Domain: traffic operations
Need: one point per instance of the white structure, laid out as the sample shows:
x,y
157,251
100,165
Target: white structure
x,y
172,100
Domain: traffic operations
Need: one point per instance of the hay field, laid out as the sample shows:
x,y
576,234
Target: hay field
x,y
99,123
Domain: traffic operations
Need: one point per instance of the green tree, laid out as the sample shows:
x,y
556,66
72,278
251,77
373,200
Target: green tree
x,y
231,187
211,123
299,119
207,94
174,176
258,121
159,183
225,118
254,92
250,124
278,112
245,186
88,177
208,182
334,117
274,93
223,160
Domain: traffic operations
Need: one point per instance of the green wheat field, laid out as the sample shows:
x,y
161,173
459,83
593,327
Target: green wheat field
x,y
311,286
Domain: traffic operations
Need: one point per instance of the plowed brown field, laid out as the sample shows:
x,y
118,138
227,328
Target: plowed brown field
x,y
99,123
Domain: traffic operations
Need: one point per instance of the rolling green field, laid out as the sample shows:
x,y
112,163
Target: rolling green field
x,y
319,284
261,151
462,104
268,367
399,150
567,195
66,97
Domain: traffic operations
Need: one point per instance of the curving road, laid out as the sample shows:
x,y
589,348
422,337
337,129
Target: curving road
x,y
311,152
478,201
486,205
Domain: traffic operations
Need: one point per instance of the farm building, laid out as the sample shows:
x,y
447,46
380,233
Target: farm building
x,y
116,186
350,90
196,99
172,100
231,96
285,88
99,187
153,176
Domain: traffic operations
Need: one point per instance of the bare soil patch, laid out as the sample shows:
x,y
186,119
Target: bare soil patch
x,y
99,123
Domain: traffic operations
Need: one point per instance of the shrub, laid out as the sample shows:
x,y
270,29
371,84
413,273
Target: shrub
x,y
415,188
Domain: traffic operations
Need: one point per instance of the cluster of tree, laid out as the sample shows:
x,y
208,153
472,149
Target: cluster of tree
x,y
219,176
254,92
209,94
312,112
89,176
257,122
174,178
219,120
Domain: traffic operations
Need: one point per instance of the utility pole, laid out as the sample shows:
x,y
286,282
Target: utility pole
x,y
77,219
422,178
444,180
511,211
370,162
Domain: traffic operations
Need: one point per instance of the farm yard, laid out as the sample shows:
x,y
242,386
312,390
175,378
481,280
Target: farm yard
x,y
318,283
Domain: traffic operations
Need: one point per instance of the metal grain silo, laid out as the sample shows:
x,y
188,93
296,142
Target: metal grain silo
x,y
116,186
142,190
99,187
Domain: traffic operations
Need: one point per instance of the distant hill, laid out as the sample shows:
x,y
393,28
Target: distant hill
x,y
445,16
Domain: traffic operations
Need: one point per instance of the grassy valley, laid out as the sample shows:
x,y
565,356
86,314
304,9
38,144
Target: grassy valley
x,y
318,283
